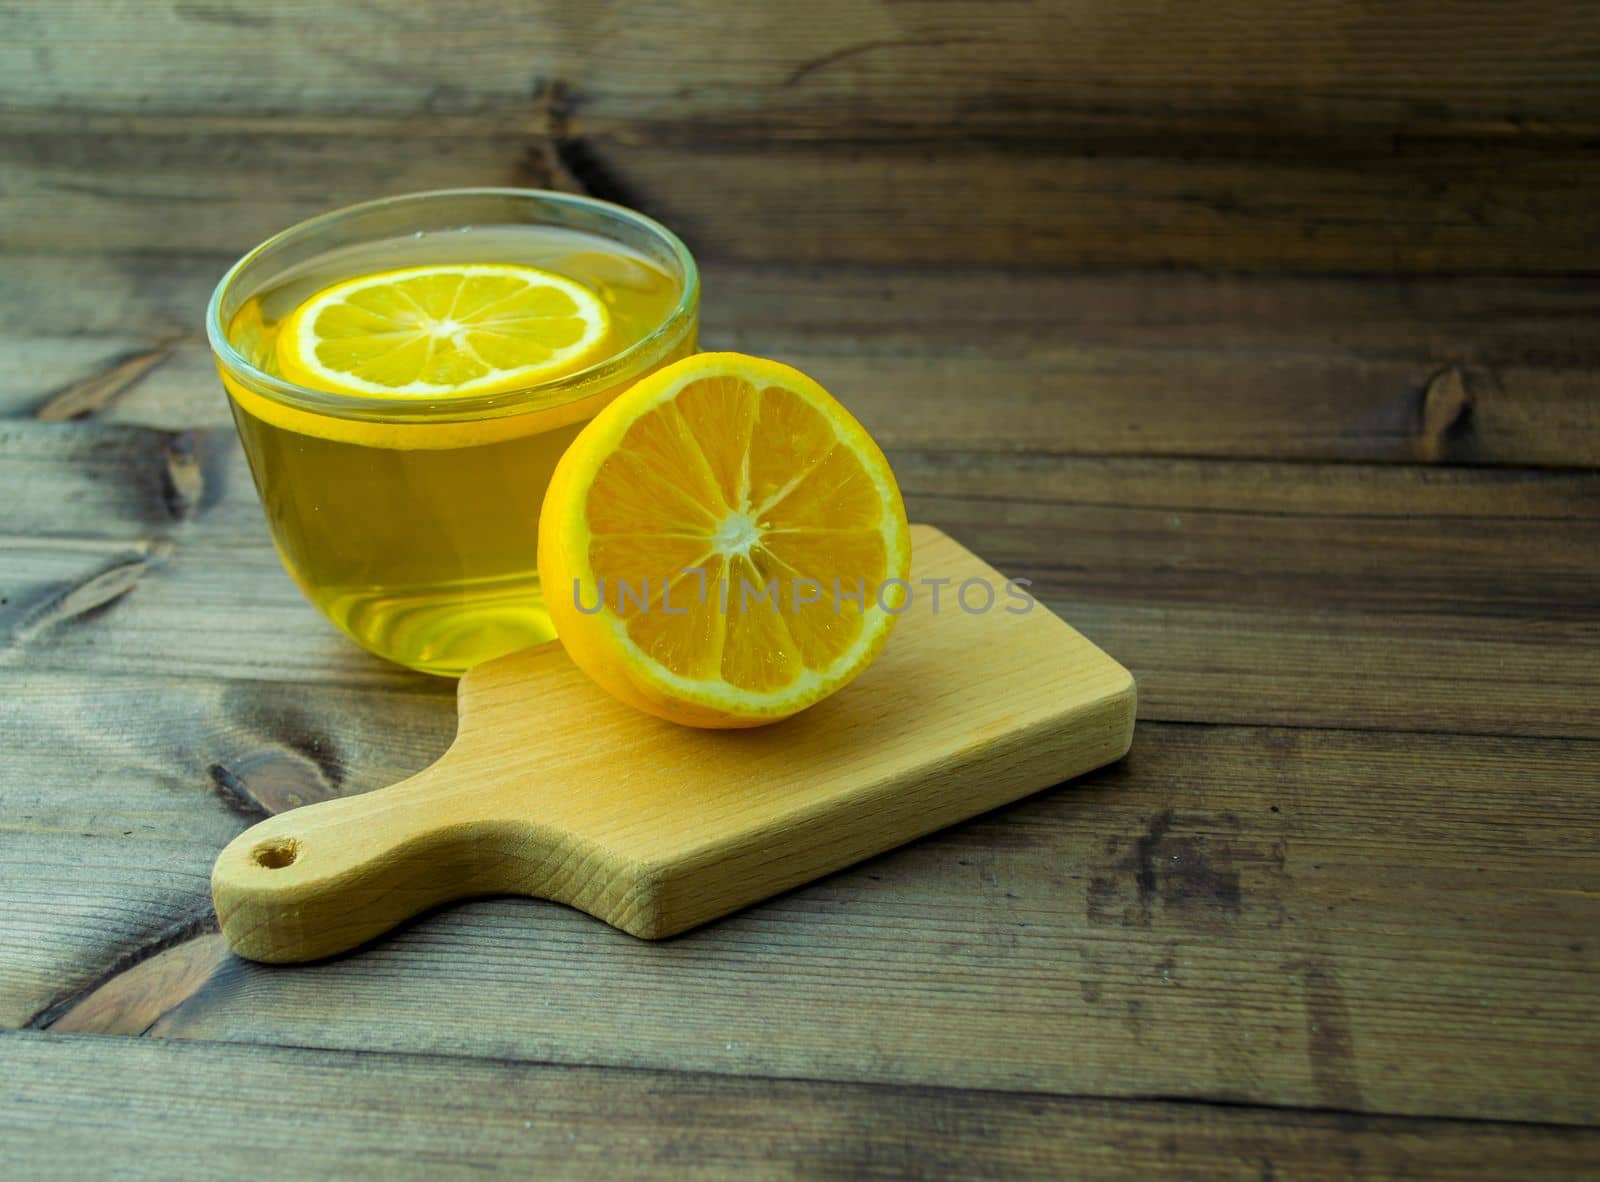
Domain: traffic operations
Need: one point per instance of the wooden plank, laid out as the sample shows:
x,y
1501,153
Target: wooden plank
x,y
1445,137
1376,205
130,181
230,611
1211,534
1079,400
119,793
1320,595
79,1106
960,69
1312,918
94,480
1178,530
1429,207
1457,372
148,299
1289,667
1300,595
139,301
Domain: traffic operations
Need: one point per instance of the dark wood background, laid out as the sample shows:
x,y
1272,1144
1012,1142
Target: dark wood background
x,y
1262,337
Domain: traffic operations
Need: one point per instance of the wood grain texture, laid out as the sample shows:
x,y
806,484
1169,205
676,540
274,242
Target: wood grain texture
x,y
1438,64
1081,399
1298,594
73,1107
1452,919
130,177
554,789
1376,207
992,360
111,849
1368,921
1331,136
1308,918
1359,921
1376,204
889,311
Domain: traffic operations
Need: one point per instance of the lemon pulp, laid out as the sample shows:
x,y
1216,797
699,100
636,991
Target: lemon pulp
x,y
443,330
724,545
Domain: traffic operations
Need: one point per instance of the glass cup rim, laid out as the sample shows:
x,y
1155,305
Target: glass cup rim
x,y
491,405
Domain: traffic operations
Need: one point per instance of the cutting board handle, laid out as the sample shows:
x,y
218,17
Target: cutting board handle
x,y
327,877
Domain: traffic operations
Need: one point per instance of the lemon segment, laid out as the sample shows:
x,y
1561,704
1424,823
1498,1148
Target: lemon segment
x,y
446,330
720,545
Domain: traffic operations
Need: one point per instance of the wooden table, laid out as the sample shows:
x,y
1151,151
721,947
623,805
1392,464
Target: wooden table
x,y
1338,913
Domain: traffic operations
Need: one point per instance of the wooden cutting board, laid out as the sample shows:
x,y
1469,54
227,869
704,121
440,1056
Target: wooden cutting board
x,y
554,789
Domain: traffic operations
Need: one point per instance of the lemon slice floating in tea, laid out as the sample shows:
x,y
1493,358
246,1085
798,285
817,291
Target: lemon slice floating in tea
x,y
443,330
720,546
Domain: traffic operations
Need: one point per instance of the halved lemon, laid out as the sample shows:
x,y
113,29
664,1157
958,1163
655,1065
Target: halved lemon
x,y
445,330
724,545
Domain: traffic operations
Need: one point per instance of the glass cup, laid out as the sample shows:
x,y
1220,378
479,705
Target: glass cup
x,y
411,521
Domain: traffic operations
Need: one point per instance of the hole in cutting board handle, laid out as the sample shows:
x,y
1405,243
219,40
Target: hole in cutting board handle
x,y
276,854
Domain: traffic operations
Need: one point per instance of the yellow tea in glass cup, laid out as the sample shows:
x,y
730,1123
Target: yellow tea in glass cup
x,y
405,374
